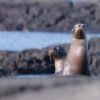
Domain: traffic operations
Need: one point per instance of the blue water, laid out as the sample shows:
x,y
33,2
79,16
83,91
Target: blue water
x,y
75,0
33,76
79,0
25,40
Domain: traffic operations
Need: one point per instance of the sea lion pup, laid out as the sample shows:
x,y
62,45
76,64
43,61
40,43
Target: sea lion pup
x,y
57,54
77,62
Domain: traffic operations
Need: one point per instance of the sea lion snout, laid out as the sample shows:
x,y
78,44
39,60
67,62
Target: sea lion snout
x,y
51,51
56,52
79,31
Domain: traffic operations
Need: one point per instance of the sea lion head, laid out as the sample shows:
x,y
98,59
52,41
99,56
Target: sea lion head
x,y
79,31
56,53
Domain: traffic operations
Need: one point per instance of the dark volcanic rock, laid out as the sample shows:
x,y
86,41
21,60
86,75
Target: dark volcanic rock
x,y
47,15
95,55
25,62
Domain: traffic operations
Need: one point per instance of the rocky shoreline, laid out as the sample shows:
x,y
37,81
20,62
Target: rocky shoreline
x,y
72,88
36,61
44,15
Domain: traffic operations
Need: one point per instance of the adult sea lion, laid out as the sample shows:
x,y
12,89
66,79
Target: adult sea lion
x,y
77,62
57,54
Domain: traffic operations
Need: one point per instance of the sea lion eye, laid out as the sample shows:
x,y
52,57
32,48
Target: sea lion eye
x,y
83,26
79,25
55,49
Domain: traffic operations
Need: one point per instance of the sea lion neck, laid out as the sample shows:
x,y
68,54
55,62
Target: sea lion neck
x,y
78,42
59,63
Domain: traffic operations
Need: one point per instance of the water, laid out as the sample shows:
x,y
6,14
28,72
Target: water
x,y
76,0
83,1
16,41
33,76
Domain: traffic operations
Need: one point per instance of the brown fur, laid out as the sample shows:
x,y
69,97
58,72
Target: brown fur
x,y
57,54
77,59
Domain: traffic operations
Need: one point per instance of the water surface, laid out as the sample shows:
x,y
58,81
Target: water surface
x,y
16,41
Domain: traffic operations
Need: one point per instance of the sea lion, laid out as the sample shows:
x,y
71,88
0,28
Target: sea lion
x,y
77,60
57,55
